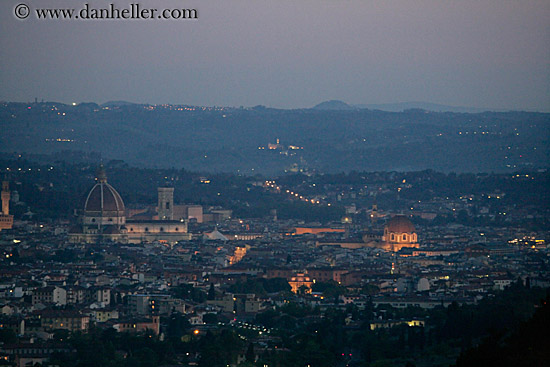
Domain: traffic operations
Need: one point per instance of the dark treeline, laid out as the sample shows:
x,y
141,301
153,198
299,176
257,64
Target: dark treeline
x,y
55,190
508,328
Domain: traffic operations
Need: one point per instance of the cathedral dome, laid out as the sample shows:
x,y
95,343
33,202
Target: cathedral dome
x,y
103,197
400,224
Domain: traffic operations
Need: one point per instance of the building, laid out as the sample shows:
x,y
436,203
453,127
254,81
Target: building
x,y
301,280
238,255
48,295
387,324
240,304
6,220
326,274
317,230
399,232
166,203
188,212
31,354
103,218
139,325
145,304
104,315
64,319
100,295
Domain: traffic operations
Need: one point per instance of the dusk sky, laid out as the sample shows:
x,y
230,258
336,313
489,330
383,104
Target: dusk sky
x,y
287,54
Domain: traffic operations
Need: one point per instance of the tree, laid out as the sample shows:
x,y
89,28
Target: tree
x,y
177,324
273,285
211,292
250,355
303,290
8,336
210,318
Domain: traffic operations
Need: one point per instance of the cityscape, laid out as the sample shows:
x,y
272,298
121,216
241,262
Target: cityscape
x,y
168,267
274,183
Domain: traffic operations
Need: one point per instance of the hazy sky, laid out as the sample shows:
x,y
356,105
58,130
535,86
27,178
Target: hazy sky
x,y
289,54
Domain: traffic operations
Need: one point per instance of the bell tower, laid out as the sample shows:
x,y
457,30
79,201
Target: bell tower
x,y
6,220
5,198
166,203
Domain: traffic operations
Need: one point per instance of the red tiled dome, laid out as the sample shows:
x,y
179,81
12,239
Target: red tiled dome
x,y
400,224
103,197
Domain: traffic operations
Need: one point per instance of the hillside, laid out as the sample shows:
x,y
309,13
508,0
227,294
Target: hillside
x,y
236,139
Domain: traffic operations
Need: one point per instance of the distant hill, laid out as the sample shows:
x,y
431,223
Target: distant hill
x,y
117,104
399,107
338,139
334,105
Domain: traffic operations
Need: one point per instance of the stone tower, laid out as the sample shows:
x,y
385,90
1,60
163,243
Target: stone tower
x,y
166,203
6,220
5,198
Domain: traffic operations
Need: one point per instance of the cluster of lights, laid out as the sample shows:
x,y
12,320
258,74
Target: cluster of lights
x,y
295,195
526,176
60,139
301,197
475,133
527,240
184,108
246,325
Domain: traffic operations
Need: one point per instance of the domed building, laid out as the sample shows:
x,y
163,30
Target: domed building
x,y
104,218
399,232
103,206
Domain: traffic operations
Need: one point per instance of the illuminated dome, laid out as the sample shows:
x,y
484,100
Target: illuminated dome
x,y
399,232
